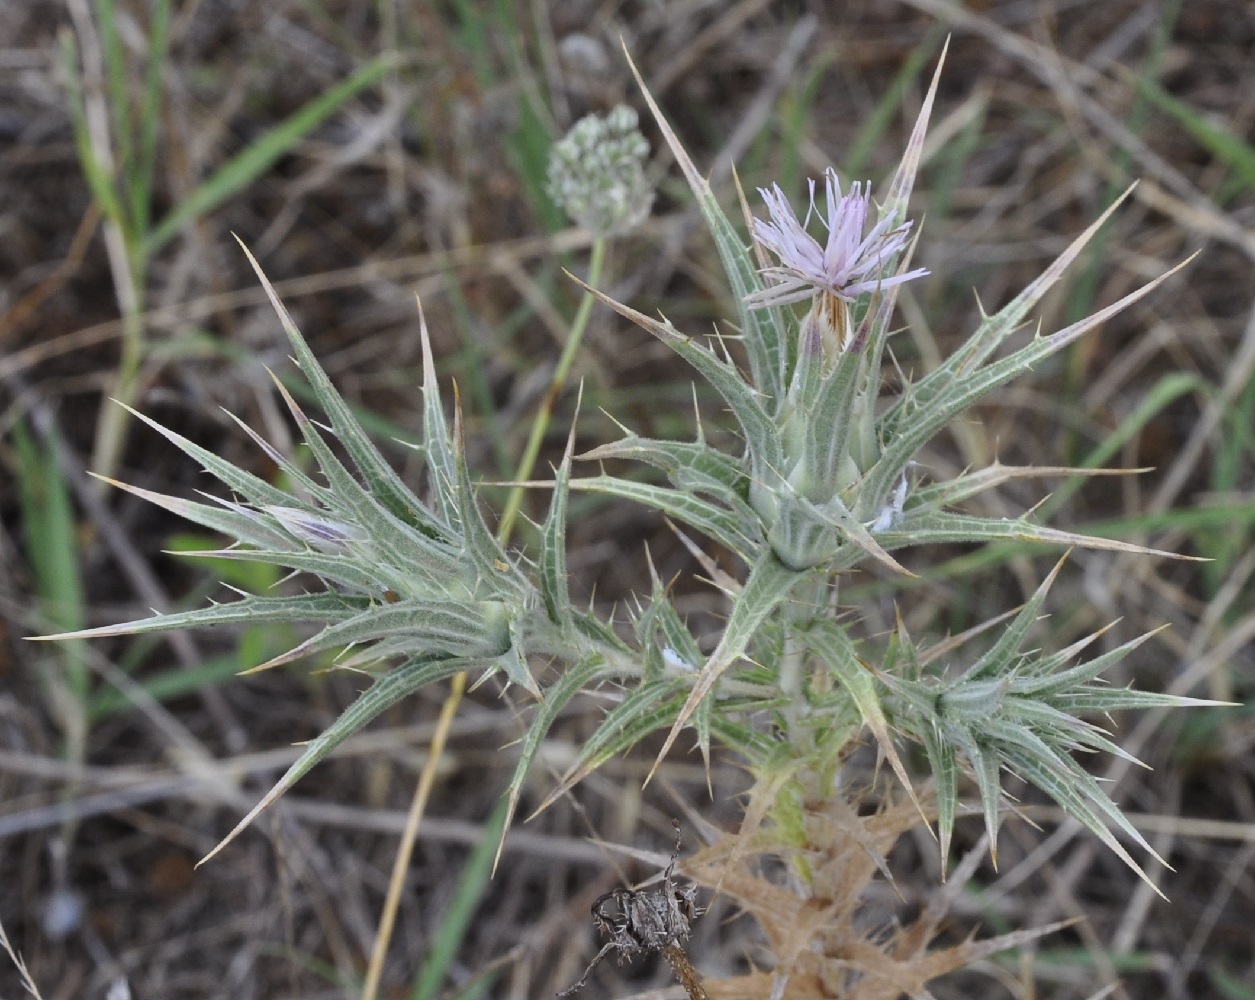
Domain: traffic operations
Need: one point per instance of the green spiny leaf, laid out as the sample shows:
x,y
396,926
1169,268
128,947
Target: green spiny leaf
x,y
553,565
365,573
832,645
995,329
1047,685
467,629
245,484
950,492
437,440
1094,699
769,353
246,611
962,380
1078,793
394,538
289,468
574,679
650,707
768,586
689,465
937,527
986,769
385,692
1001,654
228,518
829,424
756,424
942,762
490,559
711,520
513,660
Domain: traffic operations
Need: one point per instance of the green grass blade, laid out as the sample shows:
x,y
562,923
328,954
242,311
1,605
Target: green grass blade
x,y
116,83
872,134
49,530
48,522
386,691
244,168
470,890
97,176
1165,391
1225,146
150,116
170,685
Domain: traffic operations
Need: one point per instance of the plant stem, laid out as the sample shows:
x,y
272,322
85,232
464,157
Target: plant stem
x,y
405,850
541,424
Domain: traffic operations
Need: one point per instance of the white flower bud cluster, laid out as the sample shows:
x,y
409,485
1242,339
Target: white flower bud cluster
x,y
597,173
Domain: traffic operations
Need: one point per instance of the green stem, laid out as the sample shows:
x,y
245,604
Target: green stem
x,y
541,424
113,420
796,664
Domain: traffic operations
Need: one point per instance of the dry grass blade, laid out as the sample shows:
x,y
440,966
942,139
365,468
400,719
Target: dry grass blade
x,y
28,983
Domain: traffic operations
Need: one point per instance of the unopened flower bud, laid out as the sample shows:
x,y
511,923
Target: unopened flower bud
x,y
597,173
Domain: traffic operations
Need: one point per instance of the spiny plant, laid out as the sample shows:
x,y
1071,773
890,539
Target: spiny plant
x,y
416,589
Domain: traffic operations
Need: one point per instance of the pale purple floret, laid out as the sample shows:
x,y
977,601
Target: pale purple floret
x,y
847,266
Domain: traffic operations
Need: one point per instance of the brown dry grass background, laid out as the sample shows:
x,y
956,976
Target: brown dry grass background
x,y
421,184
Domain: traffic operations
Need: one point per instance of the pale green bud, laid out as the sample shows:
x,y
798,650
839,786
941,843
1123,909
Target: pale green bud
x,y
597,173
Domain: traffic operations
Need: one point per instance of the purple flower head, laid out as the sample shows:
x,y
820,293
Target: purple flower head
x,y
847,266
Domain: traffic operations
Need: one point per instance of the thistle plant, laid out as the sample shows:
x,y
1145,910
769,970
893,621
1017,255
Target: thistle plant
x,y
411,589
